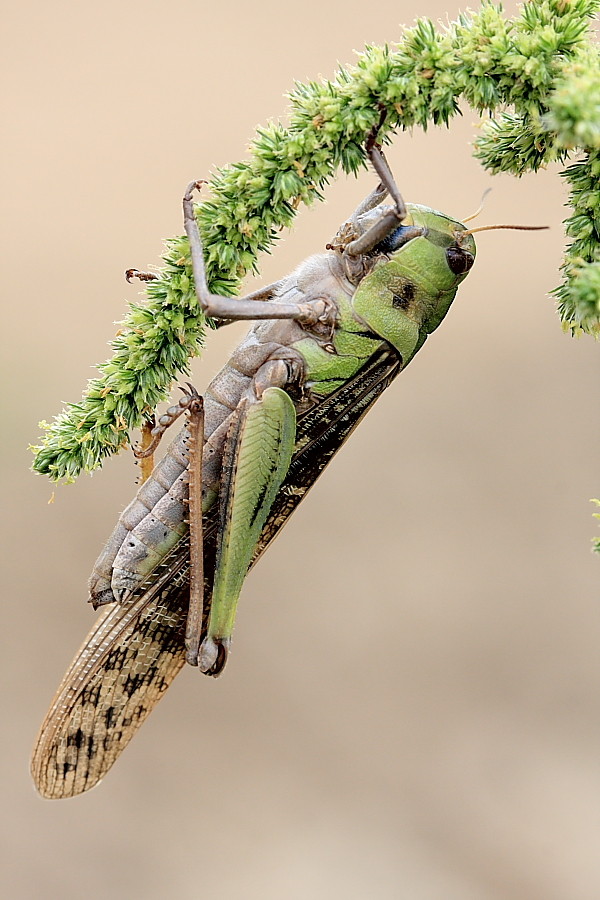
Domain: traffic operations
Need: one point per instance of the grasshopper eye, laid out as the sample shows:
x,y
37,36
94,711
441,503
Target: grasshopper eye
x,y
459,260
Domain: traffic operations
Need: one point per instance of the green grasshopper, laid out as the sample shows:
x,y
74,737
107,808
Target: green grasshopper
x,y
328,341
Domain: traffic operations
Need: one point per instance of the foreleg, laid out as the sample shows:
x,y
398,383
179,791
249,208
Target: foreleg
x,y
394,215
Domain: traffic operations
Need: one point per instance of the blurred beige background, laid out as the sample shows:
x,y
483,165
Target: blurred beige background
x,y
445,747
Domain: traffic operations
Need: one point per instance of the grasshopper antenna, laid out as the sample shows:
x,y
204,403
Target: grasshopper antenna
x,y
512,227
479,208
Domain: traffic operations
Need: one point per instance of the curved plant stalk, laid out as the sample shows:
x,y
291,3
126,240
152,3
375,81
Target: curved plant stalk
x,y
537,64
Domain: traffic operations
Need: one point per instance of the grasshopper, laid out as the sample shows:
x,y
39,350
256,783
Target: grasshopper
x,y
328,340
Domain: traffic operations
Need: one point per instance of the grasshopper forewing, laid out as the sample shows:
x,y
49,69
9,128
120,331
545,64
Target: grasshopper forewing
x,y
134,651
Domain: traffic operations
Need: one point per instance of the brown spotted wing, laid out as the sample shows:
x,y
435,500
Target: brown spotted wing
x,y
134,651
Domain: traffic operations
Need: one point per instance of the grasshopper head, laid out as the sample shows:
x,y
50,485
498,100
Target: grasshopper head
x,y
409,290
